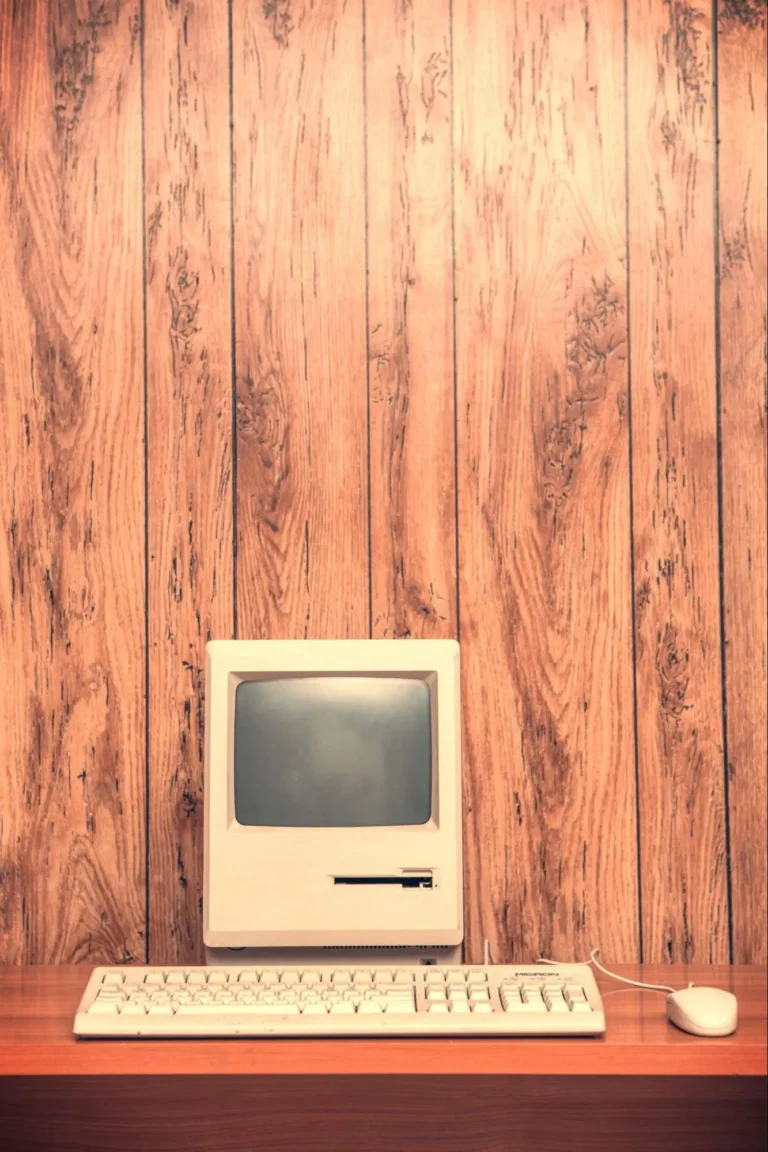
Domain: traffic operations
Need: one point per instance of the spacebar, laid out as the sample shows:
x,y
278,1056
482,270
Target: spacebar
x,y
237,1010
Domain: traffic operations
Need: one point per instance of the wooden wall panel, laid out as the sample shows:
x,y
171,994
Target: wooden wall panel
x,y
189,392
543,480
71,484
299,255
743,208
410,319
408,349
674,441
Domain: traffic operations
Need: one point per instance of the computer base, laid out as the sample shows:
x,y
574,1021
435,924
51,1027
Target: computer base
x,y
313,957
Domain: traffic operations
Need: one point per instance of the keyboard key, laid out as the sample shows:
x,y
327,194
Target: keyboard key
x,y
175,978
342,1008
160,1010
580,1006
196,978
217,978
436,1006
310,978
400,1007
132,1008
268,976
459,1007
153,978
370,1008
435,977
341,977
383,977
289,978
113,979
559,1005
316,1009
248,976
402,976
482,1006
103,1008
477,993
237,1010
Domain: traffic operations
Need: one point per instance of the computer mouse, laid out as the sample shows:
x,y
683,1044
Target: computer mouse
x,y
703,1011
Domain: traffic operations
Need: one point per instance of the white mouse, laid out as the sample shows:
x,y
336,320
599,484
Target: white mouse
x,y
703,1011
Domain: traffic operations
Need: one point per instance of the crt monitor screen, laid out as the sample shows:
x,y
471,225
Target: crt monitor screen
x,y
333,752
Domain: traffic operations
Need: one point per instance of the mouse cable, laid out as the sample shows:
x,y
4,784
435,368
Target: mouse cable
x,y
488,959
613,975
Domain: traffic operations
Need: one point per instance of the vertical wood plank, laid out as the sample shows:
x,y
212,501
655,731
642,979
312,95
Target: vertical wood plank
x,y
410,319
672,341
543,480
302,554
743,208
71,484
189,388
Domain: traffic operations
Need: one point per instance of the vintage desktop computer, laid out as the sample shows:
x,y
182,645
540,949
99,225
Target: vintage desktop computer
x,y
333,880
333,801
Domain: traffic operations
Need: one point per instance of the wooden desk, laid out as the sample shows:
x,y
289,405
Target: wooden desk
x,y
644,1085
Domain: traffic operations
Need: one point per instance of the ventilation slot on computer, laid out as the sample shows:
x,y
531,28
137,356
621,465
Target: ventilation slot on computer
x,y
405,880
434,948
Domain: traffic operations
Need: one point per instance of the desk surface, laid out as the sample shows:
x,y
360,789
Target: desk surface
x,y
37,1007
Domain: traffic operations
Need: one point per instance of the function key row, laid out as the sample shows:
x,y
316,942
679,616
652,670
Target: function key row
x,y
267,976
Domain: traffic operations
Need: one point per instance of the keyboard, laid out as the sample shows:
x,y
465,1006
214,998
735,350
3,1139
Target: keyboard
x,y
496,1000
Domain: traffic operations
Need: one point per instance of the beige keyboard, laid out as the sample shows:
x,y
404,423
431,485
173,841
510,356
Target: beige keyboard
x,y
497,1000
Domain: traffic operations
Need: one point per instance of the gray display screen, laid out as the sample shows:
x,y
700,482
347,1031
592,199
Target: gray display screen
x,y
333,752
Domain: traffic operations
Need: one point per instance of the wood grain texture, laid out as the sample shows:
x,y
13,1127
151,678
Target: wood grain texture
x,y
351,122
543,481
672,340
37,1007
302,553
410,325
743,208
71,484
189,390
394,1114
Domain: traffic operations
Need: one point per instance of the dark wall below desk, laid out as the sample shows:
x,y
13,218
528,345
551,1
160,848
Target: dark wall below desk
x,y
383,1114
368,318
